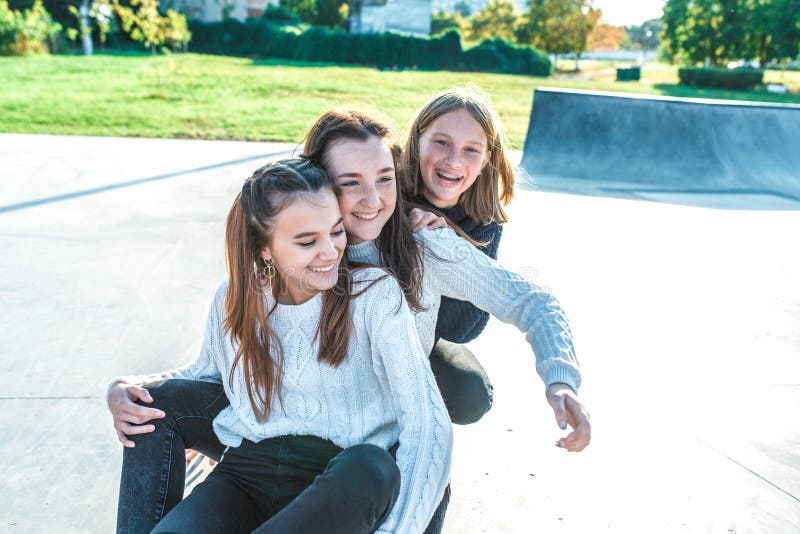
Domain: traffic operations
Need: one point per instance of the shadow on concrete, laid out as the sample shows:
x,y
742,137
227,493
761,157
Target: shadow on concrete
x,y
121,185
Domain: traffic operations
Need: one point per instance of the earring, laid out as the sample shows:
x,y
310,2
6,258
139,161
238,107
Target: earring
x,y
268,271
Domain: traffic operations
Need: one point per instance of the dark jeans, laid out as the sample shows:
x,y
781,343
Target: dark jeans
x,y
463,382
290,484
154,472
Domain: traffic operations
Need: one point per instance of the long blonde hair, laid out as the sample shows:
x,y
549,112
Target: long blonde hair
x,y
484,200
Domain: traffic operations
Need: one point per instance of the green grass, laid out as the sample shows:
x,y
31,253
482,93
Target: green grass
x,y
216,97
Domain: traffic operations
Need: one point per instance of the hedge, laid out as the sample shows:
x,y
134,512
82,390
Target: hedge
x,y
262,38
740,78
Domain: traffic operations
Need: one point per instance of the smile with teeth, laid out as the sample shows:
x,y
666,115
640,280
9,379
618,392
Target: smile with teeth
x,y
367,216
447,177
322,269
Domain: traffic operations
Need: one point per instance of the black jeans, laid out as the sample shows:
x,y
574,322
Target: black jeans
x,y
154,472
290,484
463,382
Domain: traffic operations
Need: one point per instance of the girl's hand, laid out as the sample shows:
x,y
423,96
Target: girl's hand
x,y
129,417
569,411
421,218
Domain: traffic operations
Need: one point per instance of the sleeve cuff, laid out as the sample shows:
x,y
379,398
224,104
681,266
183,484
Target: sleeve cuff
x,y
563,375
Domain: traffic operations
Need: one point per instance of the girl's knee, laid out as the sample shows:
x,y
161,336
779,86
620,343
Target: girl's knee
x,y
373,468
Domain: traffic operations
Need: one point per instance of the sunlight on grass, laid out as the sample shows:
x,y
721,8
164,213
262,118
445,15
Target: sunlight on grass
x,y
217,97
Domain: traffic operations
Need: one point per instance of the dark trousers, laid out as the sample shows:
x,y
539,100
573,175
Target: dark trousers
x,y
154,472
463,382
290,484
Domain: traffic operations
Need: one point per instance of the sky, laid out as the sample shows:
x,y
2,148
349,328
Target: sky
x,y
629,12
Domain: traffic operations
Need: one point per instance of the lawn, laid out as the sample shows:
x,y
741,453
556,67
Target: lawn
x,y
216,97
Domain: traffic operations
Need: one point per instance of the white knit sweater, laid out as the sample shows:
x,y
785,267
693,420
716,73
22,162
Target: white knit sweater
x,y
383,392
454,268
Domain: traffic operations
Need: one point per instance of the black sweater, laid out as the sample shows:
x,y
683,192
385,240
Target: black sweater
x,y
460,321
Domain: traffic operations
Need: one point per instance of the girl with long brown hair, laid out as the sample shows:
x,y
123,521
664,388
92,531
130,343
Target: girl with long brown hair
x,y
360,155
323,373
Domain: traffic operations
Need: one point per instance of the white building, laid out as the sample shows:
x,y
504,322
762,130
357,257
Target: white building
x,y
216,10
402,16
449,6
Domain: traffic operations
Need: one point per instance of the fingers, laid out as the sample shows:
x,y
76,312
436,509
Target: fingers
x,y
140,393
137,414
124,440
420,219
132,430
415,217
557,402
438,222
577,440
578,418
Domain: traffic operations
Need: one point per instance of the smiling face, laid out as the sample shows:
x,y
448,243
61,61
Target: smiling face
x,y
452,152
364,171
306,246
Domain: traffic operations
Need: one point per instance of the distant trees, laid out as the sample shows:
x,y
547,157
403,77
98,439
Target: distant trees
x,y
330,13
718,31
558,26
497,19
25,31
604,36
443,21
645,36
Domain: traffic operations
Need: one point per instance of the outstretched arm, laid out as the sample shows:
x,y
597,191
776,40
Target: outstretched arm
x,y
462,272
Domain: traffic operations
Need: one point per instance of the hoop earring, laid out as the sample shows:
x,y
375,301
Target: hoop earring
x,y
268,271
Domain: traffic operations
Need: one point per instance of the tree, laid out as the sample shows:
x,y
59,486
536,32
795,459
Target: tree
x,y
330,13
773,32
558,26
143,22
443,21
463,9
27,31
496,19
141,19
646,36
305,9
606,37
718,31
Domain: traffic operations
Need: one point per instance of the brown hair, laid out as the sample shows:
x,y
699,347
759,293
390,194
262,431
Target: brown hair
x,y
249,228
396,243
494,188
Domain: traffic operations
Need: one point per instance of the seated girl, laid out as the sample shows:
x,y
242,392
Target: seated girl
x,y
321,371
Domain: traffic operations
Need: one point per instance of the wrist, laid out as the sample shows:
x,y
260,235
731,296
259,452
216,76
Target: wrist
x,y
560,386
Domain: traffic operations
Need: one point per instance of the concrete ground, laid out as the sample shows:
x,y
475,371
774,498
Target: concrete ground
x,y
685,319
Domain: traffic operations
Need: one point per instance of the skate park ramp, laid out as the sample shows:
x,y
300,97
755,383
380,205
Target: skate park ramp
x,y
718,154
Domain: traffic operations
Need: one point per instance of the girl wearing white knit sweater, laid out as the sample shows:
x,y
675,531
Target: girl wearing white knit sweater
x,y
323,372
359,154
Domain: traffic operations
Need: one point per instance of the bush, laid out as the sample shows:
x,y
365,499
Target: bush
x,y
741,78
25,32
498,55
281,16
386,50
